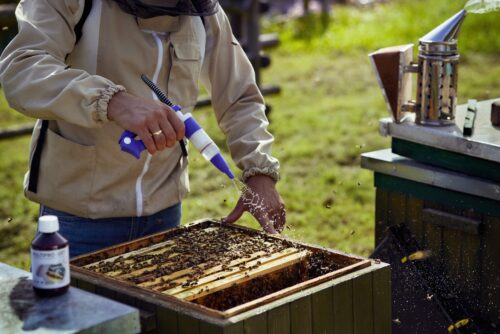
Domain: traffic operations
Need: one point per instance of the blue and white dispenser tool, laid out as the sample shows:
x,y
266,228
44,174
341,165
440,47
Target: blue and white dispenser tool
x,y
194,133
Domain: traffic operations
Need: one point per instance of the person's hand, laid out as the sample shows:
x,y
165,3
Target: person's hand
x,y
155,123
263,201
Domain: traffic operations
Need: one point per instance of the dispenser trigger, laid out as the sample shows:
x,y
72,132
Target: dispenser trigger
x,y
129,144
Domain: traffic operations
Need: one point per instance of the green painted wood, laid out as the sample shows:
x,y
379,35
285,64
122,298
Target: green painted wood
x,y
414,207
187,324
126,299
105,292
396,211
86,286
278,320
362,295
451,253
490,291
73,282
301,316
453,219
343,316
446,159
470,269
433,239
233,329
322,311
147,313
438,195
381,207
382,301
256,324
166,321
206,328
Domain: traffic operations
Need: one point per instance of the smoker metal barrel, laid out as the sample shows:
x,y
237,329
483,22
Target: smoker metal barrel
x,y
437,83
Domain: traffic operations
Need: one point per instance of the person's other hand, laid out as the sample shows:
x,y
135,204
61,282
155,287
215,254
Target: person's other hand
x,y
155,123
264,202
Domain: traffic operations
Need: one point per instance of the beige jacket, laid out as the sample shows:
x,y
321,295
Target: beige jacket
x,y
83,171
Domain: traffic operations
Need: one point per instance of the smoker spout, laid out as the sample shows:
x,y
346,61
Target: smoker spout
x,y
446,31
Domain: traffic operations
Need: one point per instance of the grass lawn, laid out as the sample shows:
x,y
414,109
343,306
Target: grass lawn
x,y
325,117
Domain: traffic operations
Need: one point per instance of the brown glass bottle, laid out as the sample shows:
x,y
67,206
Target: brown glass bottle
x,y
50,259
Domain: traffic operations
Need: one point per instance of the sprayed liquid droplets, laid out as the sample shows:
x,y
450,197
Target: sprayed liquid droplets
x,y
482,6
255,205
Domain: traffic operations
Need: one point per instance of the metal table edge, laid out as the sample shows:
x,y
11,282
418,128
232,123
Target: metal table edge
x,y
386,162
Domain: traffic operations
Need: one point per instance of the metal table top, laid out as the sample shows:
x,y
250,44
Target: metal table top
x,y
484,143
77,311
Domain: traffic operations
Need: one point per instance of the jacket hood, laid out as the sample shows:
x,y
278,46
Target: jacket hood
x,y
151,8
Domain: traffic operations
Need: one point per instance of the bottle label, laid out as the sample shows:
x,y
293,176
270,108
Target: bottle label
x,y
50,269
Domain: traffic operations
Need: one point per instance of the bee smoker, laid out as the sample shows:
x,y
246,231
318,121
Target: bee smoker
x,y
437,74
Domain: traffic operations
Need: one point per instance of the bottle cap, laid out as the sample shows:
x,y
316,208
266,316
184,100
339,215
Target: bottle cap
x,y
48,224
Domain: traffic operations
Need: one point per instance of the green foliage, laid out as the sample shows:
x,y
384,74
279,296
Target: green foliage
x,y
326,116
392,23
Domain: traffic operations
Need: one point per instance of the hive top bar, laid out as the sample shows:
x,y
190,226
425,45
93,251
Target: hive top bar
x,y
217,266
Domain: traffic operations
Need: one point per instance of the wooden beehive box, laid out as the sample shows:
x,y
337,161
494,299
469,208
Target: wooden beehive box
x,y
211,278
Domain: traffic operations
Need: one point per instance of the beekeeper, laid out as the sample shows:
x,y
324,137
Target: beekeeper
x,y
76,65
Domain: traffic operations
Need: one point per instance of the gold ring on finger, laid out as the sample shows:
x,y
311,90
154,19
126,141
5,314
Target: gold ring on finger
x,y
157,133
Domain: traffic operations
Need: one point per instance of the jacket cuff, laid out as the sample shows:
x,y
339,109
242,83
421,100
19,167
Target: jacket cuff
x,y
272,172
100,115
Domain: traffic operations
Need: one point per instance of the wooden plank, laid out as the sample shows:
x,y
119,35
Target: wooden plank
x,y
278,320
452,242
490,293
362,295
233,329
382,301
298,287
73,281
84,285
447,159
396,211
187,324
322,310
172,257
211,283
433,238
147,315
166,320
125,256
256,324
470,268
129,246
414,217
343,316
214,284
452,221
381,219
208,271
119,274
440,195
232,271
208,328
301,316
125,299
108,293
